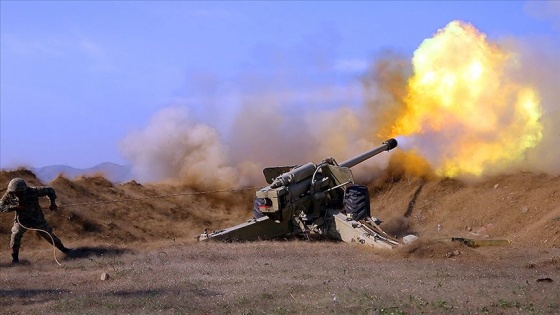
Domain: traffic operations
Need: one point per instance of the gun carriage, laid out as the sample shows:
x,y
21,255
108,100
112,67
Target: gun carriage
x,y
312,201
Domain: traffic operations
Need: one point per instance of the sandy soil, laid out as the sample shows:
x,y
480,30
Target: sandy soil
x,y
145,244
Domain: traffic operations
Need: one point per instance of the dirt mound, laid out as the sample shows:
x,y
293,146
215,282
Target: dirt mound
x,y
523,208
92,209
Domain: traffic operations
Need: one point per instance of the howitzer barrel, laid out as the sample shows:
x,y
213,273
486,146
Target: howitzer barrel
x,y
386,146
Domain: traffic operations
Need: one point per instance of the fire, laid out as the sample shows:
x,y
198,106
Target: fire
x,y
464,105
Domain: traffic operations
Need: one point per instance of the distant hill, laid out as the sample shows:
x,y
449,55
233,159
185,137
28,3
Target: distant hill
x,y
113,172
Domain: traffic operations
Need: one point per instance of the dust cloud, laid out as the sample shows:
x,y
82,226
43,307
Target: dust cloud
x,y
174,146
540,68
267,131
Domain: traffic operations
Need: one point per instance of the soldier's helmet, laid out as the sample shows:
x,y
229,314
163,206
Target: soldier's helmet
x,y
17,184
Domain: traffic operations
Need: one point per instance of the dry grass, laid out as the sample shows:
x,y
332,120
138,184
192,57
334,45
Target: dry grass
x,y
280,278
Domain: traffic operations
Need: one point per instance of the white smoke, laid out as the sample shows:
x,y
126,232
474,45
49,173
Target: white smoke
x,y
540,68
174,146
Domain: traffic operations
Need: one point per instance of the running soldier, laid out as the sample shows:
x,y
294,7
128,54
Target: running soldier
x,y
24,201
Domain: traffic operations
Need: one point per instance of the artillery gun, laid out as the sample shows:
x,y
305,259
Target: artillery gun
x,y
312,201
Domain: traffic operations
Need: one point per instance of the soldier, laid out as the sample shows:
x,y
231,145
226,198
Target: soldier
x,y
24,201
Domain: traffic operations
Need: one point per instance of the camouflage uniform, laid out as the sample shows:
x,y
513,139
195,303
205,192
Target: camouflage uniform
x,y
25,203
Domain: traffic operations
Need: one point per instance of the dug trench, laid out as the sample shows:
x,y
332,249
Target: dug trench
x,y
140,239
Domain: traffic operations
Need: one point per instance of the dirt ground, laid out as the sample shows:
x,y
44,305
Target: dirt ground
x,y
140,240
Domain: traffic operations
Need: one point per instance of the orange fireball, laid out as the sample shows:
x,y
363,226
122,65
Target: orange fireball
x,y
462,102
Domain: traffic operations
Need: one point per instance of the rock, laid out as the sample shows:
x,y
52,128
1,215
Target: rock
x,y
409,239
524,209
496,186
105,276
545,280
453,253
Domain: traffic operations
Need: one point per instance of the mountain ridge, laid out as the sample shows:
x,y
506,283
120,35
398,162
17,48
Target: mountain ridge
x,y
113,172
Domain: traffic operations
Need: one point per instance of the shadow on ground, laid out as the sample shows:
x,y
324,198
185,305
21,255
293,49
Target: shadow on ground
x,y
90,251
22,262
27,293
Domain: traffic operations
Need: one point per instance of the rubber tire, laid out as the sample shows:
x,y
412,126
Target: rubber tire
x,y
356,202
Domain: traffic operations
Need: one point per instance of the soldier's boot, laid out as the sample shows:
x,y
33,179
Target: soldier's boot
x,y
60,246
15,255
64,249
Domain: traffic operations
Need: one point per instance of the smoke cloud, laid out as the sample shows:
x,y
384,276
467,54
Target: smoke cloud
x,y
174,146
278,127
538,58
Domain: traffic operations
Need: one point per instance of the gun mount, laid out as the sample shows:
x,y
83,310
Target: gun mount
x,y
312,200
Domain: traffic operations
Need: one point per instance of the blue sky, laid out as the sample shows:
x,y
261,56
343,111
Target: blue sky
x,y
78,76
